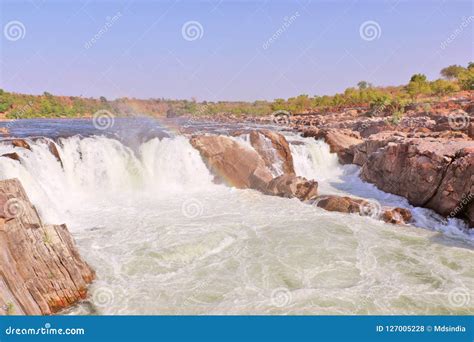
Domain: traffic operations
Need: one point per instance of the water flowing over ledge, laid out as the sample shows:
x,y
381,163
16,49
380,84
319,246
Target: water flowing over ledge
x,y
164,238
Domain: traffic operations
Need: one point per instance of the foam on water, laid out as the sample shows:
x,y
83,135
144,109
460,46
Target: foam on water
x,y
164,239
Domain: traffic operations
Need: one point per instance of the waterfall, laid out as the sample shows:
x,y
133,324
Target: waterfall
x,y
98,167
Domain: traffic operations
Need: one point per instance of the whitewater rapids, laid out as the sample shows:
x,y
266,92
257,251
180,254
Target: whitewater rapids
x,y
164,239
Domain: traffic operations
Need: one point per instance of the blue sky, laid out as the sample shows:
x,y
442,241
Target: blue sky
x,y
144,54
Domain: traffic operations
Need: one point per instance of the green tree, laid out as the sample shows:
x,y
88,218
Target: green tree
x,y
443,87
466,79
452,72
364,85
418,85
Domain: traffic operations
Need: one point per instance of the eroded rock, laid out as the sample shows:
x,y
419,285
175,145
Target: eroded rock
x,y
363,207
274,149
41,271
289,185
232,163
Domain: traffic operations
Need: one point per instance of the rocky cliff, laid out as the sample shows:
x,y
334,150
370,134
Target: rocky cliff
x,y
41,271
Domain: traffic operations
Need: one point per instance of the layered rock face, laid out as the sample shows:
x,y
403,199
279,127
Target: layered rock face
x,y
233,163
436,174
243,167
41,271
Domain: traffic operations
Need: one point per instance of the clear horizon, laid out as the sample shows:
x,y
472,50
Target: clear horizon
x,y
226,50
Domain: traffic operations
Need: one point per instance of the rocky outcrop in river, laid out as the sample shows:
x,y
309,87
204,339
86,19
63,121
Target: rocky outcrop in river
x,y
234,163
244,167
41,271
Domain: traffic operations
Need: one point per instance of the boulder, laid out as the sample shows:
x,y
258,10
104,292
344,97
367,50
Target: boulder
x,y
274,149
363,207
41,271
232,163
397,216
289,185
12,155
21,143
342,204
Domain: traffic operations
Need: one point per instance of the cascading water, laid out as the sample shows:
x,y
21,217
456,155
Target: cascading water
x,y
164,239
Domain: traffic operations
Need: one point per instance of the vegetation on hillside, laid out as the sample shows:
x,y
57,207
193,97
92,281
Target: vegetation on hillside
x,y
394,99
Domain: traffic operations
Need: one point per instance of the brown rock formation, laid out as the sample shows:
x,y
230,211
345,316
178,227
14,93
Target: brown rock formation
x,y
273,148
289,185
340,142
237,165
349,205
12,155
232,163
54,151
21,143
41,271
397,216
433,173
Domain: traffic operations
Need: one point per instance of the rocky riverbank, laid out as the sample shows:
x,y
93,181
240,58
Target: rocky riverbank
x,y
427,156
41,271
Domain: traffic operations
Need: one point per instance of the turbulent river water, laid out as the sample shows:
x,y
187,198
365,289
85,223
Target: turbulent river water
x,y
164,239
